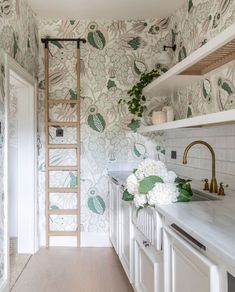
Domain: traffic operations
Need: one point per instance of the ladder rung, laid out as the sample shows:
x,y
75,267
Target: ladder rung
x,y
63,233
56,101
63,212
62,146
62,168
61,124
62,190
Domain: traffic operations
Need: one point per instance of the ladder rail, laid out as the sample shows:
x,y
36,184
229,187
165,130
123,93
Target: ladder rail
x,y
78,143
46,52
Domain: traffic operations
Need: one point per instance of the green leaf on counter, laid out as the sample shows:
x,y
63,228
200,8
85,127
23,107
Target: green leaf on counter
x,y
185,191
127,196
148,183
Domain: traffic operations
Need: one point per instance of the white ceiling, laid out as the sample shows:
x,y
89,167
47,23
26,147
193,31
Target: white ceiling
x,y
105,9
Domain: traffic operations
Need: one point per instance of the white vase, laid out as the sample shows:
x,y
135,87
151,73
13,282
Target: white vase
x,y
169,113
158,117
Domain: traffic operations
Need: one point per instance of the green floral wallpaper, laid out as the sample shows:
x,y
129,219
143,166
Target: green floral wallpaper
x,y
193,25
115,55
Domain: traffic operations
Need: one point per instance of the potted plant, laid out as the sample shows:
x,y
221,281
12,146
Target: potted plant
x,y
137,103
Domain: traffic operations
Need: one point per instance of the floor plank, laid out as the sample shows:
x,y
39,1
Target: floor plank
x,y
73,270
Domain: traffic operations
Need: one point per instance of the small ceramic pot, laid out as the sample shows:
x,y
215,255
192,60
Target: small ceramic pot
x,y
158,117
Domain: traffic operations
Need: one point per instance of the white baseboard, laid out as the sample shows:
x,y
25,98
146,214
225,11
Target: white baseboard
x,y
95,239
88,239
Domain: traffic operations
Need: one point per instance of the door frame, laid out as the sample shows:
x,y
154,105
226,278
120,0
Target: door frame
x,y
12,68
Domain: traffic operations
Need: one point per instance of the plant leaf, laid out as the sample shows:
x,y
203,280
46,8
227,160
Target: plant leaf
x,y
185,192
148,183
127,196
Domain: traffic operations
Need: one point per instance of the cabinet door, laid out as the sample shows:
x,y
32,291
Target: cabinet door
x,y
148,268
186,269
126,239
114,213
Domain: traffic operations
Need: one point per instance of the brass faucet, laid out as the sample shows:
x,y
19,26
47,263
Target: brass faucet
x,y
213,184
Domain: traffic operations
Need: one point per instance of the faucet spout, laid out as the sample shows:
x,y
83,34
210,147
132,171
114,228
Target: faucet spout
x,y
213,184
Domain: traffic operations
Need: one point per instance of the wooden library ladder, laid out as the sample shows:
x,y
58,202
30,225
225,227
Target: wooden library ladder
x,y
48,146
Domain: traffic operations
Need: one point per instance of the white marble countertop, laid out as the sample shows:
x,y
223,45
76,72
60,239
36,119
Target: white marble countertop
x,y
210,222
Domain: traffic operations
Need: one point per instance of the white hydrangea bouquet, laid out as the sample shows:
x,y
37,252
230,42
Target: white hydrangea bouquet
x,y
152,184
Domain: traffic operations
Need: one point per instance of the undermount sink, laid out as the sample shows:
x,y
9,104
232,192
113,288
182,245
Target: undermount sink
x,y
200,196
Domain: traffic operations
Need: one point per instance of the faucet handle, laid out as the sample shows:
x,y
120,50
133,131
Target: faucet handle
x,y
221,189
206,184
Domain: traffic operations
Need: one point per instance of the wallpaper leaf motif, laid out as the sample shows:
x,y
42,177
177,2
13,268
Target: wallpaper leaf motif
x,y
96,122
96,39
96,204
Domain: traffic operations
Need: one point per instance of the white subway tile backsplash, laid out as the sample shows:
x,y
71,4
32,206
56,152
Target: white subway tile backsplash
x,y
221,138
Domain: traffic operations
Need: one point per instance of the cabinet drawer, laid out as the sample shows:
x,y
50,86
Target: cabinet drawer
x,y
187,269
148,268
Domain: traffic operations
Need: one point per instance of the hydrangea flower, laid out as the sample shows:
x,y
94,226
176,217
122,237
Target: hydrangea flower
x,y
132,184
163,193
151,167
140,200
152,184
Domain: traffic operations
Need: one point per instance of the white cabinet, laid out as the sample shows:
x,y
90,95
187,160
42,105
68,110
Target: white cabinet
x,y
126,238
186,269
114,212
148,267
121,228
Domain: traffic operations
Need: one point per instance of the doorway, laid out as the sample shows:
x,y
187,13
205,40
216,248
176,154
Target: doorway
x,y
21,170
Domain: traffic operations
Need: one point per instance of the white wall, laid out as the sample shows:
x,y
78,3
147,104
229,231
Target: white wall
x,y
221,138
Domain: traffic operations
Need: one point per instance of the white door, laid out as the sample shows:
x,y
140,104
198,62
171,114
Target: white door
x,y
114,215
126,238
185,268
148,267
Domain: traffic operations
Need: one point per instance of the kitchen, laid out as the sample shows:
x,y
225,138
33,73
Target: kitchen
x,y
133,154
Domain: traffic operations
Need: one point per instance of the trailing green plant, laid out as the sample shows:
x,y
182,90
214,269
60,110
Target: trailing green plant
x,y
136,104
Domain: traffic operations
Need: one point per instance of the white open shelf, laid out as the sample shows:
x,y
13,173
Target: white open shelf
x,y
199,121
217,52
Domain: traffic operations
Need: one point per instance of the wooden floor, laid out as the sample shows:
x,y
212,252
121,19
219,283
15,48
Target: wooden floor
x,y
73,270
